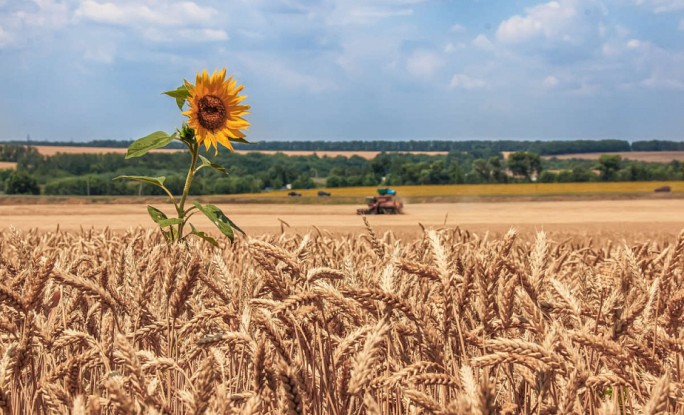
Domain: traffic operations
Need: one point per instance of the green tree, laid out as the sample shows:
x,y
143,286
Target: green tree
x,y
20,183
609,165
525,164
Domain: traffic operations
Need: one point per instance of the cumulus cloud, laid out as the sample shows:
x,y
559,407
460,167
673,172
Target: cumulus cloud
x,y
661,6
633,43
133,13
423,63
551,82
483,42
550,20
463,81
457,28
363,15
5,38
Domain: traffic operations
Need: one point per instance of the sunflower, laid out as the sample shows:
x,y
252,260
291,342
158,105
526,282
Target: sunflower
x,y
215,113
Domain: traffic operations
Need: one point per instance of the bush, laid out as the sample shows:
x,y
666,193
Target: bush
x,y
20,183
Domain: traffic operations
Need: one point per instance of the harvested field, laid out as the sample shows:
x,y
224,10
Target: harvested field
x,y
5,165
651,156
447,322
52,150
368,155
579,217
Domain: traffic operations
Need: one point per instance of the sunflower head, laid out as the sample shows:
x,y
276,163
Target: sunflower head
x,y
215,112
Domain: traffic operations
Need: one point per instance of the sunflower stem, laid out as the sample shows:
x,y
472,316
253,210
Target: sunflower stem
x,y
194,150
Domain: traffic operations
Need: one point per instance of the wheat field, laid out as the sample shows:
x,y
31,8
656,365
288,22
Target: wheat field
x,y
447,322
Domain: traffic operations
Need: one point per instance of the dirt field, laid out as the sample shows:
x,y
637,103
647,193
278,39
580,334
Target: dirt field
x,y
652,156
52,150
647,217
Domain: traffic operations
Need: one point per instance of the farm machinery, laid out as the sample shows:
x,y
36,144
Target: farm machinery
x,y
386,203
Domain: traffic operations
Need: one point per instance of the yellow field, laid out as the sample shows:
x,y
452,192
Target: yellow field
x,y
513,189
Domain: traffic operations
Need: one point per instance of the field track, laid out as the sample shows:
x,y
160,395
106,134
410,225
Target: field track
x,y
646,217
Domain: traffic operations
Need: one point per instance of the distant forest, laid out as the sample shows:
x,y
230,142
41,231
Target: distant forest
x,y
474,162
544,148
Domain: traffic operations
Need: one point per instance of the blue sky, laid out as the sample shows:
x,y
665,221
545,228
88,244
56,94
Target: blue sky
x,y
353,69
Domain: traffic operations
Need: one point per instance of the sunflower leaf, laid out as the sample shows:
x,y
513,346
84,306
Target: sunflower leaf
x,y
203,236
141,146
218,218
156,214
239,140
208,163
161,219
180,94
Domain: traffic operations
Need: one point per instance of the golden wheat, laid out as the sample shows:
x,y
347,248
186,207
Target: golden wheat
x,y
446,322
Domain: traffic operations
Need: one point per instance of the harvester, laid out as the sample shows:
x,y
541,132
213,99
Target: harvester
x,y
385,203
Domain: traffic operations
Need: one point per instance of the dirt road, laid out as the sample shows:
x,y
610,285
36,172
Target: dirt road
x,y
578,217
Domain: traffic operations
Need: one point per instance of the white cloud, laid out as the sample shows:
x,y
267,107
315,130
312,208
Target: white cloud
x,y
185,35
457,28
552,20
551,81
483,42
362,15
464,81
661,6
634,44
5,37
135,13
655,82
423,63
518,29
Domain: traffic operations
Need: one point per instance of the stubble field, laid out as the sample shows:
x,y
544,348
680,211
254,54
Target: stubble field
x,y
588,217
52,150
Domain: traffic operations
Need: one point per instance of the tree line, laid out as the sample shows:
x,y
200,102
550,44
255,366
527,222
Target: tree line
x,y
545,147
92,174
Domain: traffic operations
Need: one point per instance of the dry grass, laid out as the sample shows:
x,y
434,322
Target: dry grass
x,y
448,322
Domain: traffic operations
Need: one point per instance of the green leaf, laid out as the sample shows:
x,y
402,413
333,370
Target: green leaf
x,y
161,219
181,94
141,146
171,221
203,236
239,140
218,218
157,181
156,214
207,163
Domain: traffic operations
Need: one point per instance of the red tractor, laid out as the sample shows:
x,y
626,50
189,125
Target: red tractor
x,y
384,204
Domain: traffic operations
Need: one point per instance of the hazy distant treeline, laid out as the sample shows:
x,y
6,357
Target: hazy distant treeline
x,y
547,147
92,174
